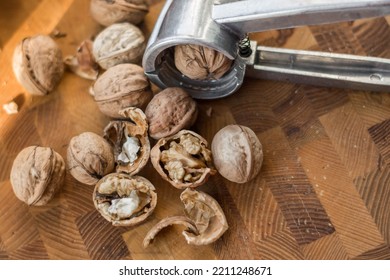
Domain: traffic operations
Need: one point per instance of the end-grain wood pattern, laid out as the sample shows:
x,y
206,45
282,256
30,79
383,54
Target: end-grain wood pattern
x,y
323,191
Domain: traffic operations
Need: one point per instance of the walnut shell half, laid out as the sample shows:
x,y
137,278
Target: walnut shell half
x,y
124,200
130,141
37,174
183,159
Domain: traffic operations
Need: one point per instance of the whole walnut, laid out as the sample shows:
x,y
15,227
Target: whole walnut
x,y
119,43
107,12
37,175
237,153
89,158
170,111
122,86
201,63
38,65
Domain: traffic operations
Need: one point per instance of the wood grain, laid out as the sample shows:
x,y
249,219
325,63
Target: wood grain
x,y
323,191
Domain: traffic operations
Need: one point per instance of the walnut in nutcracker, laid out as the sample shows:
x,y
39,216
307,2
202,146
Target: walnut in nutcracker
x,y
37,175
124,200
183,159
129,139
119,43
37,64
89,158
108,12
200,62
237,153
122,86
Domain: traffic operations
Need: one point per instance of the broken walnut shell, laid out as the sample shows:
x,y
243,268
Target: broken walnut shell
x,y
89,158
119,43
201,63
237,153
108,12
122,86
124,200
37,64
170,111
130,141
183,159
37,175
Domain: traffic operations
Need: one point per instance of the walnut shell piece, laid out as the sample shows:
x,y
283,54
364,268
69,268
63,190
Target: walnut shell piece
x,y
37,64
37,175
129,139
119,43
89,158
201,63
170,111
237,153
108,12
124,200
183,159
122,86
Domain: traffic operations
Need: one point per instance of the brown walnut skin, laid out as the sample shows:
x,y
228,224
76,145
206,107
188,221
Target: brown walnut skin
x,y
89,158
108,12
201,63
37,175
170,111
237,153
198,166
37,64
120,87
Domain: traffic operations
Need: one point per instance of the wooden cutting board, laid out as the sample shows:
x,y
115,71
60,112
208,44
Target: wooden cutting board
x,y
323,191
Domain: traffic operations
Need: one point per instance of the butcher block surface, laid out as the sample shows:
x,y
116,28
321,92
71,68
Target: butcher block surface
x,y
323,191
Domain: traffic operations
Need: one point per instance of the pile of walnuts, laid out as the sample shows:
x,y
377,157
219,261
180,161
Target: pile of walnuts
x,y
111,162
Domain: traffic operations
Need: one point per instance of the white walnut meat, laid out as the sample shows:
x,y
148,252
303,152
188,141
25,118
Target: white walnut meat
x,y
237,153
89,158
204,219
130,141
120,87
119,43
108,12
201,63
124,200
183,159
37,175
170,111
37,64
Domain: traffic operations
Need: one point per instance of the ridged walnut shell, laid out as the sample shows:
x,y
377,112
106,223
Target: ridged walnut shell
x,y
89,158
124,200
201,63
122,86
130,141
170,111
237,153
37,175
38,65
119,43
108,12
183,159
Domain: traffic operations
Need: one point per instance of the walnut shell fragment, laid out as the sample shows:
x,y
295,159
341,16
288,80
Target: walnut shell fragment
x,y
130,141
204,219
237,153
124,200
89,158
201,63
183,159
122,86
107,12
37,175
37,64
170,111
119,43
